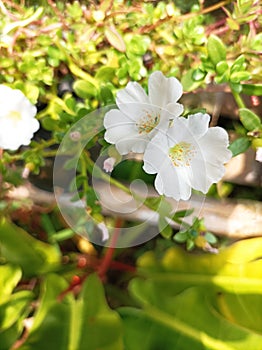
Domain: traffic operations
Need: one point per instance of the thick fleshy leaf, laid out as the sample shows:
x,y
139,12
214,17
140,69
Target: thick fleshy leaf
x,y
216,49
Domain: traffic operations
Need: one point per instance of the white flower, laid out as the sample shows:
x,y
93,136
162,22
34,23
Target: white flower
x,y
17,122
108,165
189,155
140,115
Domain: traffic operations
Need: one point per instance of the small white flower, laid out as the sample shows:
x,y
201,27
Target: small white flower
x,y
259,154
189,155
108,165
140,115
17,119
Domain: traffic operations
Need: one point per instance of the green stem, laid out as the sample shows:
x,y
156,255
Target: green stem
x,y
238,99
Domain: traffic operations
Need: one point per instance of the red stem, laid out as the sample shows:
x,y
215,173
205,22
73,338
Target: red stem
x,y
107,259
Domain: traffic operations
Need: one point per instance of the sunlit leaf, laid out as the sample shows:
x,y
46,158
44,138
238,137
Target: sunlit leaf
x,y
18,247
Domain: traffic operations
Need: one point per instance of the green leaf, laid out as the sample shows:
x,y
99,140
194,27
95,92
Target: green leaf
x,y
181,236
186,298
221,67
18,247
105,74
216,49
10,275
115,39
185,321
189,84
106,95
87,320
182,213
198,75
236,77
138,44
238,65
13,307
84,89
252,89
249,119
164,228
239,145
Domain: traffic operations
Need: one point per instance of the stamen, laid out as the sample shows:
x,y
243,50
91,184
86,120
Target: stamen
x,y
147,123
181,154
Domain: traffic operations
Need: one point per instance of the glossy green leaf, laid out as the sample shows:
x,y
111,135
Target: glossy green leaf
x,y
84,89
18,247
216,49
86,321
249,119
239,145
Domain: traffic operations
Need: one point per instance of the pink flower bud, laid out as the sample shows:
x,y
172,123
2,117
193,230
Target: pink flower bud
x,y
109,164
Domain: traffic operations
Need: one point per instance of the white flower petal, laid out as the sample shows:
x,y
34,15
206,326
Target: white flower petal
x,y
156,153
133,93
214,145
162,90
139,117
132,144
175,109
171,182
198,123
187,156
118,126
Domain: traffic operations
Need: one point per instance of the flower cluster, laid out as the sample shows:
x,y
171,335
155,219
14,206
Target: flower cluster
x,y
184,153
17,119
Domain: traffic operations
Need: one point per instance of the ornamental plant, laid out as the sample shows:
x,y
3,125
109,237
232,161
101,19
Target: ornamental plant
x,y
105,166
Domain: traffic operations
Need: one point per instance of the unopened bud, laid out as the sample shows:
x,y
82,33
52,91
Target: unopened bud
x,y
109,164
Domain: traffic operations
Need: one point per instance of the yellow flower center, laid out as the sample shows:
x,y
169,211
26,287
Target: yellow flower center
x,y
15,116
147,123
181,154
